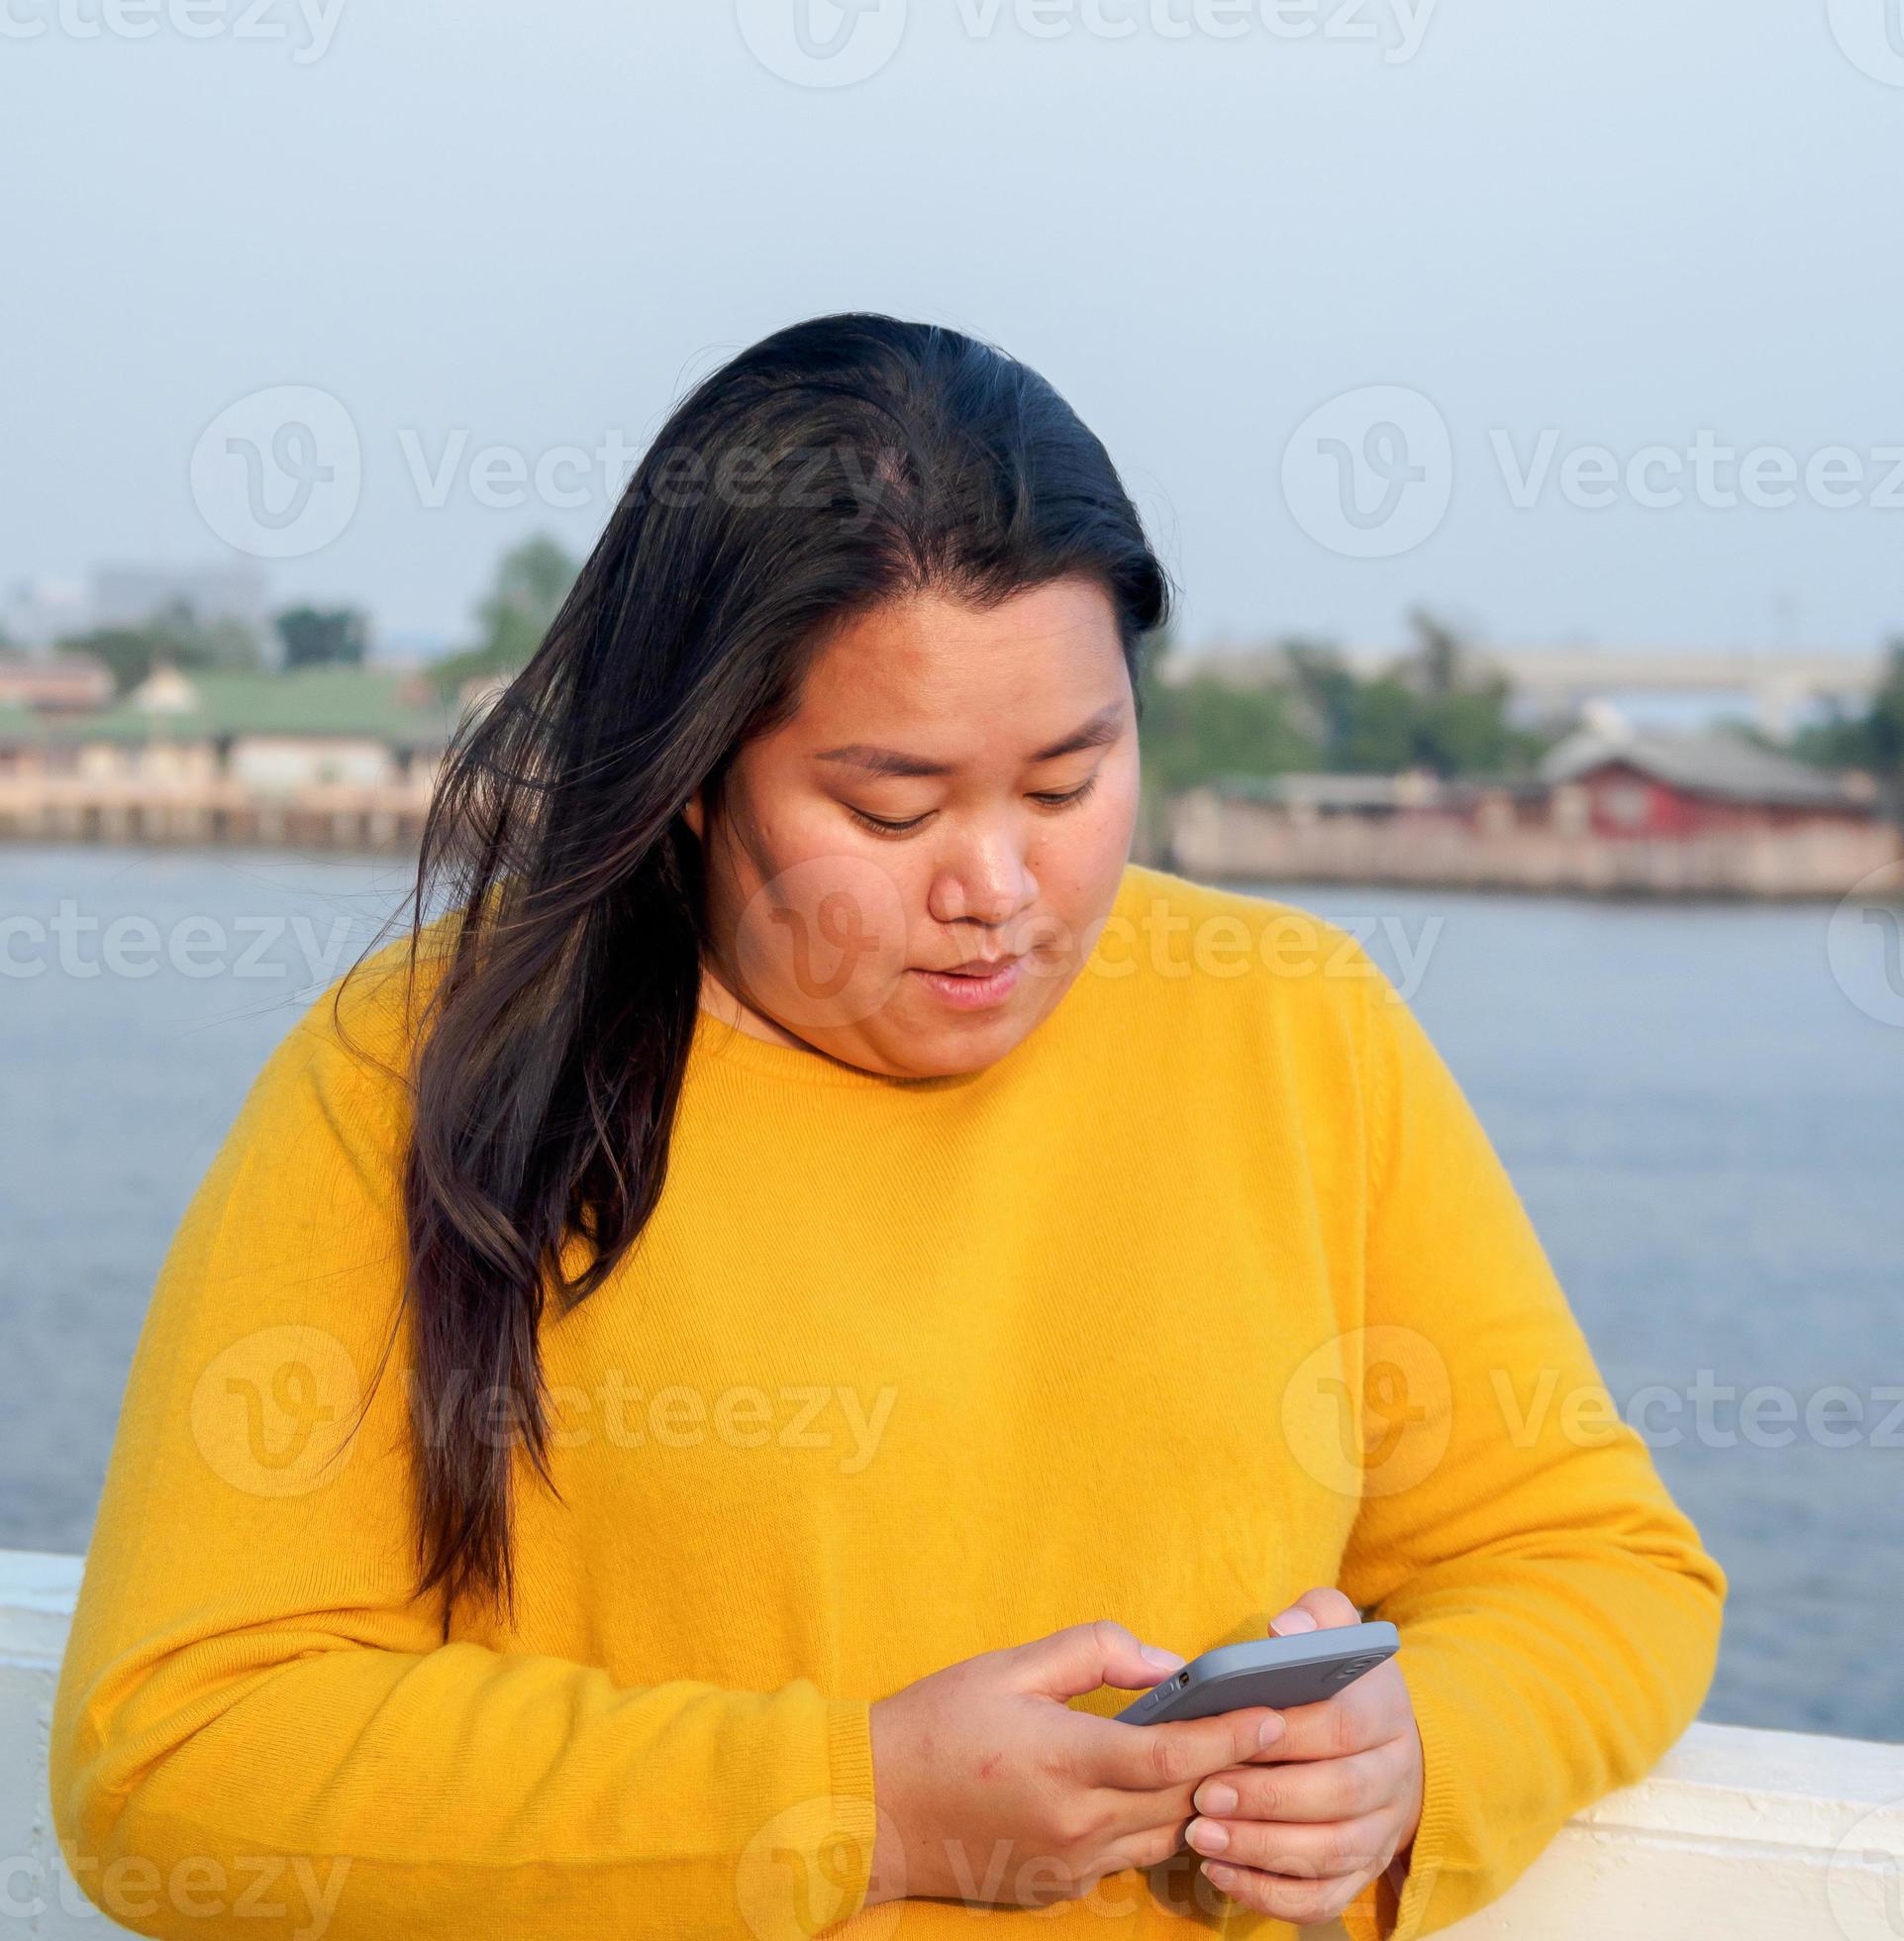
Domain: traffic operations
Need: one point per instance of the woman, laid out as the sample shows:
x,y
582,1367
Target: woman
x,y
699,1383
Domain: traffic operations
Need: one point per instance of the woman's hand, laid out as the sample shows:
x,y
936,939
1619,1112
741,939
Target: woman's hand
x,y
1300,1838
991,1788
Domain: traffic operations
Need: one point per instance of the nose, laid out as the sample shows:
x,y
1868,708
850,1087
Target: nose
x,y
986,882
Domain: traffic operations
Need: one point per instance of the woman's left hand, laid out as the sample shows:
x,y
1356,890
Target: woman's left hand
x,y
1334,1799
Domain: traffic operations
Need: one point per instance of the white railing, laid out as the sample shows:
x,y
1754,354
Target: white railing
x,y
1737,1836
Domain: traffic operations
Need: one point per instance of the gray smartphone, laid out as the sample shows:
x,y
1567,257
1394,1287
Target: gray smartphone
x,y
1274,1672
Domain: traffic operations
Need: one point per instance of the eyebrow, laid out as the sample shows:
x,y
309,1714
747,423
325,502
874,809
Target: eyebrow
x,y
1103,726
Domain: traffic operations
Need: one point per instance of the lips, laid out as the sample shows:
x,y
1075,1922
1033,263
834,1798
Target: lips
x,y
976,967
981,984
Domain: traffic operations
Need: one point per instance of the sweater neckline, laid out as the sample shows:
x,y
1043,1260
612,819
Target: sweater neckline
x,y
717,1039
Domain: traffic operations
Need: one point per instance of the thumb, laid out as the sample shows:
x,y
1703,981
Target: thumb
x,y
1082,1657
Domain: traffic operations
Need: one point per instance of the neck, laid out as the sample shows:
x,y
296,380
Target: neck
x,y
720,1000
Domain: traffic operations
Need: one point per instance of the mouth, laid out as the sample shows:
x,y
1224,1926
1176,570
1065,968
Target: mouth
x,y
974,985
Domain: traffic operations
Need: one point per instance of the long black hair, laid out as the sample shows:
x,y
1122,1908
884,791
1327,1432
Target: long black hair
x,y
832,466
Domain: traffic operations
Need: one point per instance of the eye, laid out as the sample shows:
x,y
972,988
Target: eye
x,y
1045,798
1065,799
884,827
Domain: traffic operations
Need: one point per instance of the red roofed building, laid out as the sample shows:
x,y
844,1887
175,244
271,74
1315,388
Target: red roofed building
x,y
1636,783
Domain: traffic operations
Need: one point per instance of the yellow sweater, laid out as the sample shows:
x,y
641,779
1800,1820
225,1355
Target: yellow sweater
x,y
1213,1290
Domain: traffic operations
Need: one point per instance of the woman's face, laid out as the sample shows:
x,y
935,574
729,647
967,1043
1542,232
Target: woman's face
x,y
957,784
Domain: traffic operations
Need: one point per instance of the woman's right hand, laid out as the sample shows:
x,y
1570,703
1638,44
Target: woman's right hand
x,y
991,1789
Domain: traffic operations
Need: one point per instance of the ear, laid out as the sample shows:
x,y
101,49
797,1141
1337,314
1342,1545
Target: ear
x,y
694,814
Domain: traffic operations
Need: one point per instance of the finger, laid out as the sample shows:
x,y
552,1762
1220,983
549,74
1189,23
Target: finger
x,y
1082,1657
1362,1715
1335,1850
1321,1609
1148,1759
1303,1903
1319,1791
1148,1845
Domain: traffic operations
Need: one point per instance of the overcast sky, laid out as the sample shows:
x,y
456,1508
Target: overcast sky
x,y
1329,278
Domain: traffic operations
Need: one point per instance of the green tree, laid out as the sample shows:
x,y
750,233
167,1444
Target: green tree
x,y
1323,692
1197,729
127,653
1203,728
1872,741
1440,661
1467,733
175,635
1384,729
317,636
531,582
1433,708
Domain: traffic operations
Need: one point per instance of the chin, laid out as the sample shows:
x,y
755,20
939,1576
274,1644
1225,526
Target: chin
x,y
943,1052
969,1047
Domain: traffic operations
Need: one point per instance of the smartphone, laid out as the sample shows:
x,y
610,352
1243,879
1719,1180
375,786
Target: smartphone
x,y
1274,1672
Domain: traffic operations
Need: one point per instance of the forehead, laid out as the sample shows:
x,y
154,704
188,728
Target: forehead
x,y
928,664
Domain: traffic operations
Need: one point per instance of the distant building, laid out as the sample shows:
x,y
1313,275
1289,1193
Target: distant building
x,y
1611,811
1417,797
65,683
275,735
1648,784
130,595
1305,795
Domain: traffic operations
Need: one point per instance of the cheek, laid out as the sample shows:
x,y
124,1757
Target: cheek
x,y
1080,862
822,938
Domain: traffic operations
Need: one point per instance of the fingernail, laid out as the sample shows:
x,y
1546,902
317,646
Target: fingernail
x,y
1207,1836
1213,1797
1270,1730
1290,1623
1164,1661
1220,1875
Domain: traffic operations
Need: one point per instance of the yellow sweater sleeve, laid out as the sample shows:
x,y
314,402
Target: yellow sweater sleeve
x,y
260,1731
1560,1618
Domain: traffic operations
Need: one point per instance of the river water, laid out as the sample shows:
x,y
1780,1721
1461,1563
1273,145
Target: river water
x,y
1702,1107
